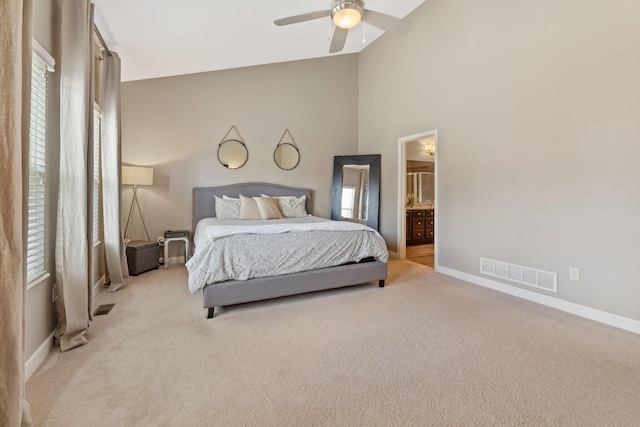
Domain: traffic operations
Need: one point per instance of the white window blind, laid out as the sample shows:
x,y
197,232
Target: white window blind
x,y
37,169
97,132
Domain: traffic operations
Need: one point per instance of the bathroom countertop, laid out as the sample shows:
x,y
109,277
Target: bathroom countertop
x,y
418,208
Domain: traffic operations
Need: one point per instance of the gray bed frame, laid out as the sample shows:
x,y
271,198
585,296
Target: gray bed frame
x,y
240,291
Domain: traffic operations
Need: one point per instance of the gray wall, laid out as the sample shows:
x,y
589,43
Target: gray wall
x,y
175,124
537,106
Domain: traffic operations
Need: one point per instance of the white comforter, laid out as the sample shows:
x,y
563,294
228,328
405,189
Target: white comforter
x,y
241,250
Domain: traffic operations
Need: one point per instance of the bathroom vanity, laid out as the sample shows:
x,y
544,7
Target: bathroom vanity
x,y
420,224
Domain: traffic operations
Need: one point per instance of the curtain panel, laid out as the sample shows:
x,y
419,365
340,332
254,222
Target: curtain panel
x,y
76,130
15,86
117,268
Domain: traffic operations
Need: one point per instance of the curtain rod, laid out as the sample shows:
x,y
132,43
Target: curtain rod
x,y
104,44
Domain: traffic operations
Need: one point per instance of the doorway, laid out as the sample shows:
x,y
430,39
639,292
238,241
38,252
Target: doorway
x,y
417,201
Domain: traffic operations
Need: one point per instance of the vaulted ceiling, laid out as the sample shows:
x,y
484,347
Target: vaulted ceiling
x,y
157,38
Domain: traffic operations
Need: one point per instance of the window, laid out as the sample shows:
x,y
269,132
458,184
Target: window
x,y
348,201
95,213
41,64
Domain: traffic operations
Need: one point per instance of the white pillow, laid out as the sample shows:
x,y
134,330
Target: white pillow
x,y
292,207
227,208
230,198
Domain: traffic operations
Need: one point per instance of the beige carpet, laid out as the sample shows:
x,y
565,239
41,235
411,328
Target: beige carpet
x,y
425,350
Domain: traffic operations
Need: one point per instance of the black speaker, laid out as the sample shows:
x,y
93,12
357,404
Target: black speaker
x,y
176,233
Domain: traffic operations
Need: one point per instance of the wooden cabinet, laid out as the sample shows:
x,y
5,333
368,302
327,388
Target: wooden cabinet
x,y
420,226
430,225
408,227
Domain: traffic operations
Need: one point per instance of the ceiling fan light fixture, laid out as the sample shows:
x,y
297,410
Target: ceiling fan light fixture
x,y
347,14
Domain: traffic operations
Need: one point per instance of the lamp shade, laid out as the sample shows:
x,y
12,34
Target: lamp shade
x,y
137,175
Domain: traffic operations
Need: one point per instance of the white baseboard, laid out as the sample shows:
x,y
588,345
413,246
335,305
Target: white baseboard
x,y
394,255
96,291
38,356
43,350
610,319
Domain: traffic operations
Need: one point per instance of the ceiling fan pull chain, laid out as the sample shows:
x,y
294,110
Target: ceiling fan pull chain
x,y
364,31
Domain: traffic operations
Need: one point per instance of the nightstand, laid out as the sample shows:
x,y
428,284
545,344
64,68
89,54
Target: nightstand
x,y
168,240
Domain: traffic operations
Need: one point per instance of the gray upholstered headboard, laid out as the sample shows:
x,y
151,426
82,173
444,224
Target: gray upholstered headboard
x,y
204,205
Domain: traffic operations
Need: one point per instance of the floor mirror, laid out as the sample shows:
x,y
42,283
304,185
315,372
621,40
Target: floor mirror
x,y
355,192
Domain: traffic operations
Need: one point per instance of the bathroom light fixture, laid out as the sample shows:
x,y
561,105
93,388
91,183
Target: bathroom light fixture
x,y
430,149
347,14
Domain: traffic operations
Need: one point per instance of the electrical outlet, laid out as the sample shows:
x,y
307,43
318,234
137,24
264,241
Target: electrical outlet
x,y
54,293
574,274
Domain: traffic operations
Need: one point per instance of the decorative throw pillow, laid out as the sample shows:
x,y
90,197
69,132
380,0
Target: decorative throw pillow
x,y
291,206
230,198
269,207
227,208
248,208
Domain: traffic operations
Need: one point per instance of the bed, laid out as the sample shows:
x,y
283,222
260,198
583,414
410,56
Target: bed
x,y
229,292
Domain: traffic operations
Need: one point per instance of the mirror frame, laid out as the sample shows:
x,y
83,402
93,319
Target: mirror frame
x,y
373,210
276,161
246,150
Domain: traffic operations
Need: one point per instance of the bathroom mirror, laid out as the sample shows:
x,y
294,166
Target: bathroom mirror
x,y
355,193
286,156
232,153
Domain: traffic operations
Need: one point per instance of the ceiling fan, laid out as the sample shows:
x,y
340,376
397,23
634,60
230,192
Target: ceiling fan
x,y
347,14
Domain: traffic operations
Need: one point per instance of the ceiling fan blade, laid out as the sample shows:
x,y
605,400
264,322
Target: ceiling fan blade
x,y
302,18
338,39
387,23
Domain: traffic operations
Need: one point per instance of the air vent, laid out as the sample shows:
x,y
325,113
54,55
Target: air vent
x,y
103,309
516,273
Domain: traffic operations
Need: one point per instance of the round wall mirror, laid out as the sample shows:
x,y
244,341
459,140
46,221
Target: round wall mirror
x,y
232,153
286,156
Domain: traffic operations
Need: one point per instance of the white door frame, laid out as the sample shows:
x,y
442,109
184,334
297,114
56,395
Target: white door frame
x,y
402,172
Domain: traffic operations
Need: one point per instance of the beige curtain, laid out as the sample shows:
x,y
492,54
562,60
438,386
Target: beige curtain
x,y
111,193
15,86
76,117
